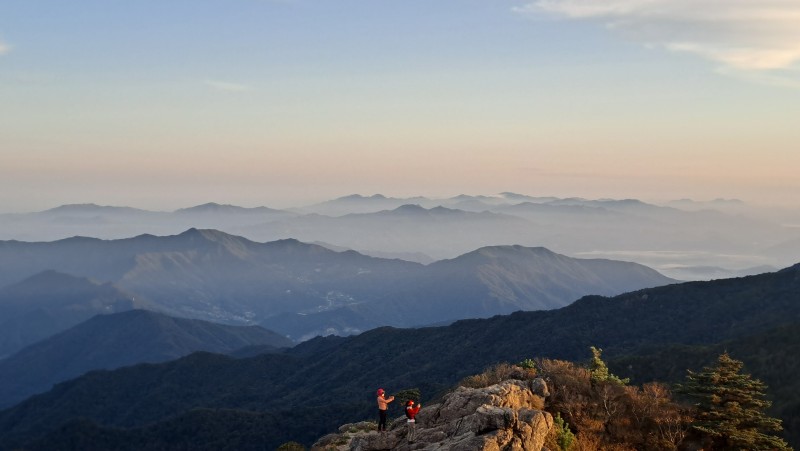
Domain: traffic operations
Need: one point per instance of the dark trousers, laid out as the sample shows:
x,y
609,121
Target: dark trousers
x,y
381,420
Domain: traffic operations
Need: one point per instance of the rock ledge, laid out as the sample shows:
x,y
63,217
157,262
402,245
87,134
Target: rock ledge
x,y
505,416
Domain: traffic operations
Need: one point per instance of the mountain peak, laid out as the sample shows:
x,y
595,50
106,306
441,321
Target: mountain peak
x,y
516,197
506,250
418,209
493,255
516,248
462,197
190,233
210,207
47,279
213,208
213,235
289,242
235,244
88,208
68,207
362,197
410,208
193,231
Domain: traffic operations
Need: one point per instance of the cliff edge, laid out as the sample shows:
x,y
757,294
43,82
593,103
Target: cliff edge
x,y
504,416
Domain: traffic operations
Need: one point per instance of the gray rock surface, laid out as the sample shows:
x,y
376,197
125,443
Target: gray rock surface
x,y
505,416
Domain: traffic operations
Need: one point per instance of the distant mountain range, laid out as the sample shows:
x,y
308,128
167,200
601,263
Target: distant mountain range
x,y
50,302
107,222
304,290
725,234
356,203
324,382
119,339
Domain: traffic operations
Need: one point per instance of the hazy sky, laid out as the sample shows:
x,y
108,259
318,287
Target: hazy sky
x,y
165,104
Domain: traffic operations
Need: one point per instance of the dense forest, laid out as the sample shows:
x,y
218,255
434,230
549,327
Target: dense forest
x,y
593,409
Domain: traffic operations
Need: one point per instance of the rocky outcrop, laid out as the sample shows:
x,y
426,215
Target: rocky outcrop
x,y
505,416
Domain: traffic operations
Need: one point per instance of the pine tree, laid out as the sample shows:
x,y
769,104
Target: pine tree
x,y
599,370
564,436
731,408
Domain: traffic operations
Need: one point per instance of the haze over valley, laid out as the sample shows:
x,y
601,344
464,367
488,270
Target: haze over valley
x,y
211,275
685,240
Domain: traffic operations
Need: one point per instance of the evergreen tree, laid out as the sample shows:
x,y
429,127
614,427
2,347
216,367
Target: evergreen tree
x,y
404,395
564,436
731,408
599,370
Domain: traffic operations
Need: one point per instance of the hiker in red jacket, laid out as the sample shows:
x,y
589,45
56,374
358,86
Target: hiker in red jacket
x,y
411,423
383,406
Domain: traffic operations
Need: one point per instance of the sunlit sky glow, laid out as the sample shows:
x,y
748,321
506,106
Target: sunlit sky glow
x,y
162,105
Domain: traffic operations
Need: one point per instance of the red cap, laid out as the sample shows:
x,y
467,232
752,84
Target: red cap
x,y
380,391
410,402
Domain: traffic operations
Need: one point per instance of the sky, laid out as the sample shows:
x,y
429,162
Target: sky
x,y
167,104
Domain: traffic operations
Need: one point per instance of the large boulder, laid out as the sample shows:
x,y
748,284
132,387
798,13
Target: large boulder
x,y
505,416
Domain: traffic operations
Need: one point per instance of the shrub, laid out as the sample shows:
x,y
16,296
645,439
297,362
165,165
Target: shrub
x,y
498,373
564,437
606,415
404,395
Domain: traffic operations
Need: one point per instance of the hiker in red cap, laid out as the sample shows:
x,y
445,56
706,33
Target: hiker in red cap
x,y
383,406
411,423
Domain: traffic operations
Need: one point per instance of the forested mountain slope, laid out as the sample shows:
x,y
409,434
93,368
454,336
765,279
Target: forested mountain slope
x,y
115,340
327,381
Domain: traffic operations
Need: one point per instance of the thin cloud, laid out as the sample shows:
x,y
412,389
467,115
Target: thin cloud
x,y
4,48
747,35
226,86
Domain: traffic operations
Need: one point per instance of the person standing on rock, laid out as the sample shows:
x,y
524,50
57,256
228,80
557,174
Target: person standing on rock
x,y
383,406
411,423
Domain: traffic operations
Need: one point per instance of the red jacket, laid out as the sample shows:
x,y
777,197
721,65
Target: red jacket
x,y
411,411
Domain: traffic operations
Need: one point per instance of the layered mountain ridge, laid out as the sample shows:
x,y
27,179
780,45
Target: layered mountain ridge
x,y
304,290
50,302
691,236
109,341
329,381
